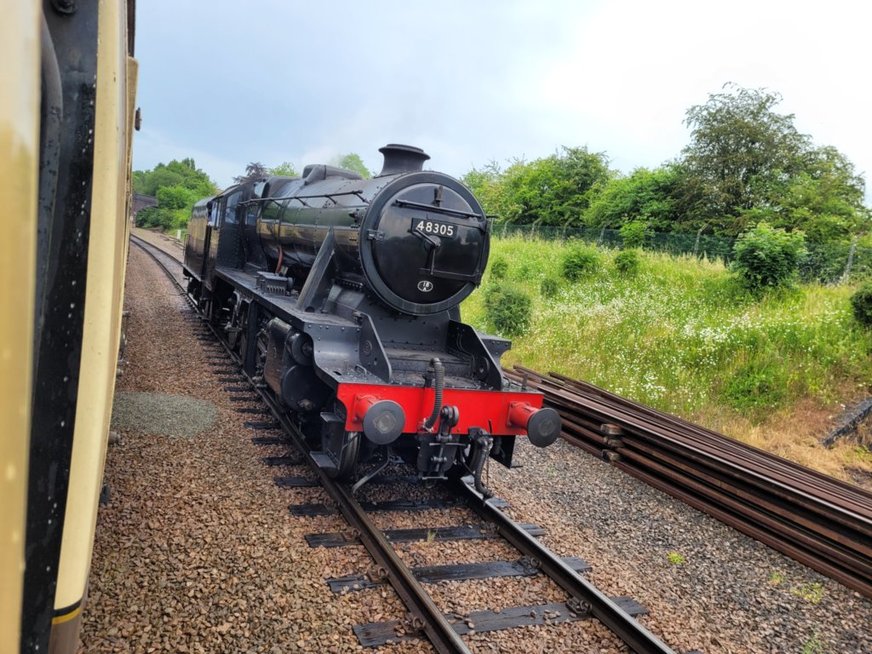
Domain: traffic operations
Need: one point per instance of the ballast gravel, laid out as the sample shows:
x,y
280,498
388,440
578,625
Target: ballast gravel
x,y
197,551
162,414
707,586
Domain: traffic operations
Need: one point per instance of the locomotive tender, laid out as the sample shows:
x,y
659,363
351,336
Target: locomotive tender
x,y
341,295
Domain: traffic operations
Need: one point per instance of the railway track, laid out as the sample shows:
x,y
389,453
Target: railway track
x,y
425,619
817,520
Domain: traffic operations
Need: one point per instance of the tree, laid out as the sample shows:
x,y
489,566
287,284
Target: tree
x,y
177,186
175,197
176,173
284,169
254,170
826,198
486,185
354,163
742,154
747,163
555,190
650,196
148,182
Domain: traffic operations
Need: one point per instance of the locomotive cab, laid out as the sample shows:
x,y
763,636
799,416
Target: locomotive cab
x,y
197,241
220,233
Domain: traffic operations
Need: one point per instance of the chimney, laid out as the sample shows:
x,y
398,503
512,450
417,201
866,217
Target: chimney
x,y
402,159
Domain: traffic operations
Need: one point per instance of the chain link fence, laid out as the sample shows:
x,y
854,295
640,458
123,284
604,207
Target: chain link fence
x,y
828,262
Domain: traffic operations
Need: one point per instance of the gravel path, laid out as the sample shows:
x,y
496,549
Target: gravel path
x,y
197,553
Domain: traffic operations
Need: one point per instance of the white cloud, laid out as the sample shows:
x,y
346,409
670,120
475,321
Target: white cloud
x,y
472,82
152,147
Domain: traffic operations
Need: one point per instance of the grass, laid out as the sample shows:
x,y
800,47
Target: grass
x,y
676,558
813,646
683,336
812,593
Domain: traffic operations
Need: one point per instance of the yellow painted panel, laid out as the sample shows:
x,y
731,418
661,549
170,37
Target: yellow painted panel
x,y
106,258
19,165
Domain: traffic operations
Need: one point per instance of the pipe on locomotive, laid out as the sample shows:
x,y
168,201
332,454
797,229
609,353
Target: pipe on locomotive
x,y
439,374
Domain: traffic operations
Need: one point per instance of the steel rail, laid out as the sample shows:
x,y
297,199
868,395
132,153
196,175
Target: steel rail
x,y
821,522
768,527
637,424
829,485
627,628
833,495
429,618
426,615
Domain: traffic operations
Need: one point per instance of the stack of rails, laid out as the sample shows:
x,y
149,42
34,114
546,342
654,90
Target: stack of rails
x,y
817,520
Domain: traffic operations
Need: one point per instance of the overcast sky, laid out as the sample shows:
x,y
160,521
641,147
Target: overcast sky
x,y
269,80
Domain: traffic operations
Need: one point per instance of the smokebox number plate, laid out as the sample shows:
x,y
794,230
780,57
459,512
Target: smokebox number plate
x,y
435,227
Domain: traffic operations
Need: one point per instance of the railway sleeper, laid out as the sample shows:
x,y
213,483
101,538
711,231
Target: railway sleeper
x,y
431,574
420,534
376,634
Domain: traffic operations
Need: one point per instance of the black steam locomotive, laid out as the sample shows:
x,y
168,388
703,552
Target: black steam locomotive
x,y
341,295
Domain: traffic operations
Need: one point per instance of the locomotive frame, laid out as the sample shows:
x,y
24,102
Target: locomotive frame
x,y
341,296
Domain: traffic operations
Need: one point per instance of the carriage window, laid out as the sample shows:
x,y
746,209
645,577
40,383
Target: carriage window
x,y
213,213
251,213
230,210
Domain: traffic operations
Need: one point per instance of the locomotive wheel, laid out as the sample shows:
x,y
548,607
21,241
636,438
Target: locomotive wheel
x,y
344,448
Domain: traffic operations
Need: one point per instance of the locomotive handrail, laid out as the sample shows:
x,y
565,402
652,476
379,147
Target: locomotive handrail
x,y
276,200
436,209
330,195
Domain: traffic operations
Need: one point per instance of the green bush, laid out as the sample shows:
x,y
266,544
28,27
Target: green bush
x,y
861,303
627,262
507,309
757,386
634,234
579,262
525,271
499,267
768,256
155,217
549,287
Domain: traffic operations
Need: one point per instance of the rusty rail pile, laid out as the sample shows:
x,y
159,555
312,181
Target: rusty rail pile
x,y
815,519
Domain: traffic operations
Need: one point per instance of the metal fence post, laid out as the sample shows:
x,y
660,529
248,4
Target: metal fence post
x,y
850,263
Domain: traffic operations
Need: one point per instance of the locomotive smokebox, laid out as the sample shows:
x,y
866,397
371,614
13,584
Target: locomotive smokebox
x,y
402,159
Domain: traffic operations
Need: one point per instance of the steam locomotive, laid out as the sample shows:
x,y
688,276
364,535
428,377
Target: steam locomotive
x,y
341,296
